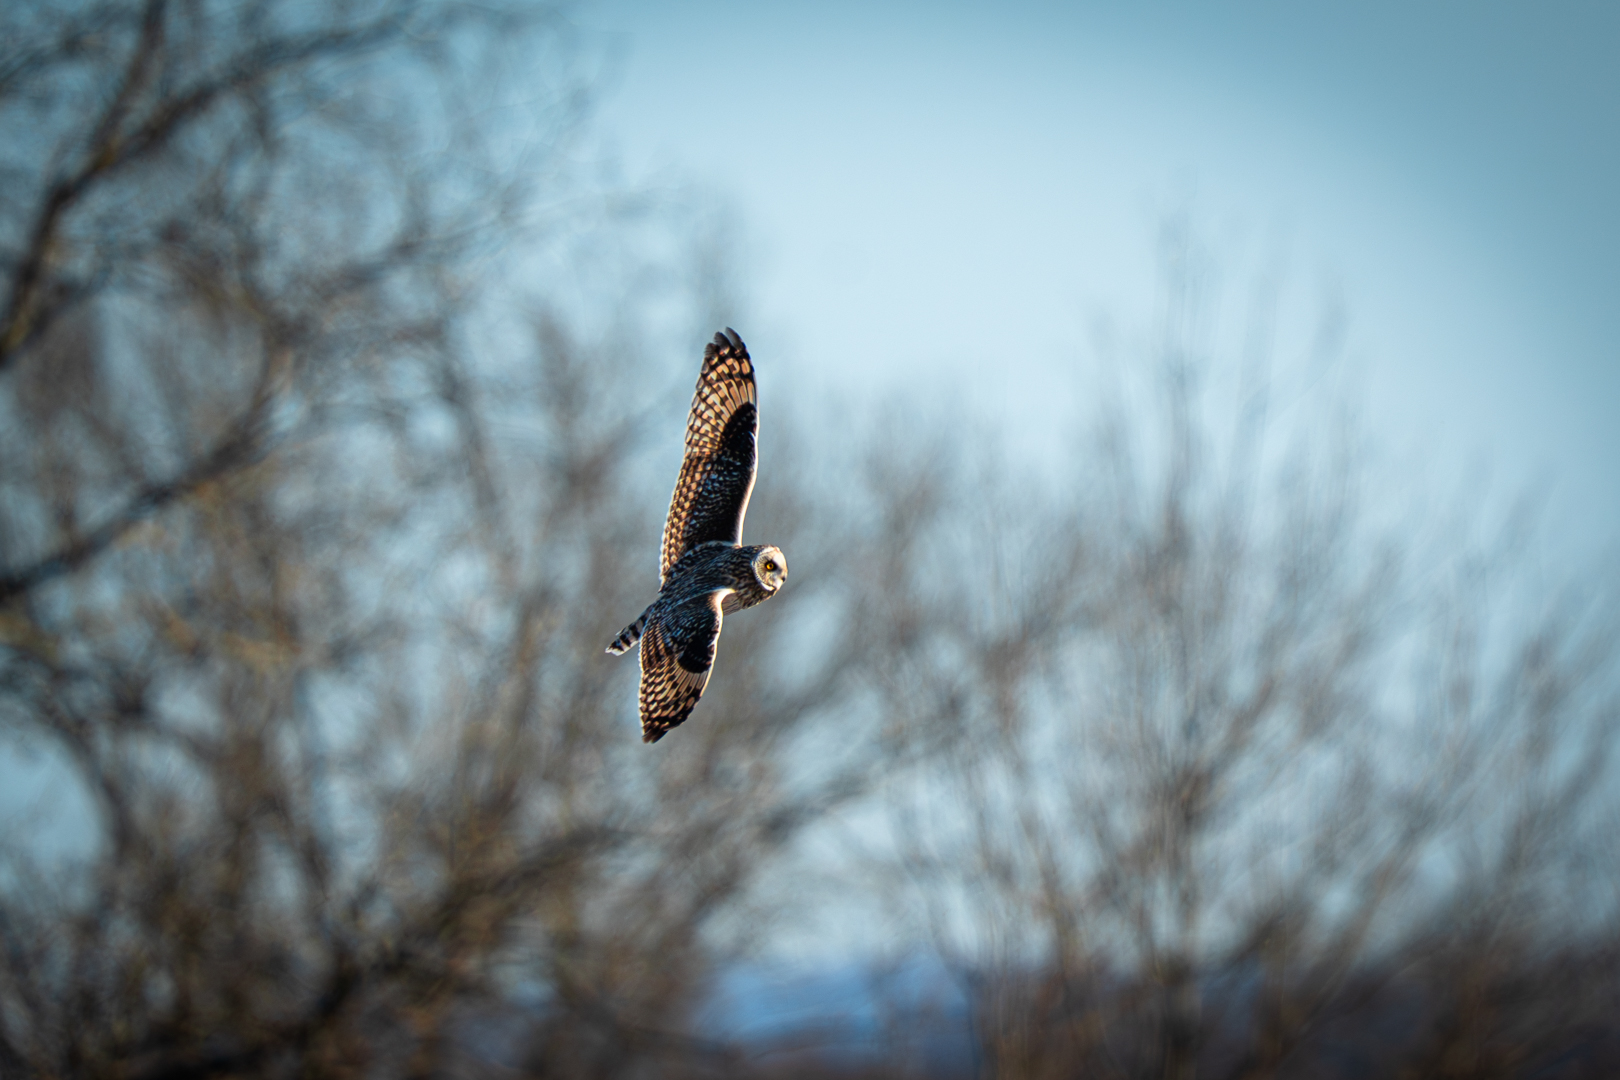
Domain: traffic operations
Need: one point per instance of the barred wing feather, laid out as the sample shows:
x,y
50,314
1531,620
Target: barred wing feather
x,y
717,474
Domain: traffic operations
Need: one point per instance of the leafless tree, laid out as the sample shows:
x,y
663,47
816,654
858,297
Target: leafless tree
x,y
1246,786
309,559
314,528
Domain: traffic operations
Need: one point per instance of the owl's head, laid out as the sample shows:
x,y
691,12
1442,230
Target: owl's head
x,y
770,567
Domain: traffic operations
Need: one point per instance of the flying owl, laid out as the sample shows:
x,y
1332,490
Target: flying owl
x,y
704,571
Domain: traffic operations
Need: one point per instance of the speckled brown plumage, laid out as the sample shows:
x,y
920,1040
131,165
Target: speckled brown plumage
x,y
703,571
677,654
717,473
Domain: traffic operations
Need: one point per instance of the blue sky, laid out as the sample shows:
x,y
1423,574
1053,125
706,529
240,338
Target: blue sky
x,y
933,196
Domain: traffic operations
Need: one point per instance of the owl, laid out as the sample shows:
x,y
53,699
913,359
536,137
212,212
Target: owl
x,y
704,571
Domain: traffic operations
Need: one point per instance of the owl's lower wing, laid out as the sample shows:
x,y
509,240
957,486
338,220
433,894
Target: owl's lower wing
x,y
677,654
717,473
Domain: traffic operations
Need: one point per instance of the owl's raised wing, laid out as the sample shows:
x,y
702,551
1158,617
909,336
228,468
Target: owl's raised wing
x,y
717,474
677,654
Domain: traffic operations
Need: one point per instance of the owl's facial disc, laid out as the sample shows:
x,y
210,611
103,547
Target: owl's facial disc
x,y
770,567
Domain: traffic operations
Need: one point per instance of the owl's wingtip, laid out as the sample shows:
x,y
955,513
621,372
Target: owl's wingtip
x,y
729,339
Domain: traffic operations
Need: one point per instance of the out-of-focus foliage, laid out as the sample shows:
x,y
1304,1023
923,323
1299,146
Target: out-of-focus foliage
x,y
314,525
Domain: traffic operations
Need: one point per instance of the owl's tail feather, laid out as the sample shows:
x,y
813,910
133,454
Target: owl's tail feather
x,y
629,635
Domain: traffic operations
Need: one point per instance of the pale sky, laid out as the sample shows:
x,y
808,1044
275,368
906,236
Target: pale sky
x,y
935,196
946,200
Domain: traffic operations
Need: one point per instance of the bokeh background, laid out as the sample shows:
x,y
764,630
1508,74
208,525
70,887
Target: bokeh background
x,y
948,184
1187,426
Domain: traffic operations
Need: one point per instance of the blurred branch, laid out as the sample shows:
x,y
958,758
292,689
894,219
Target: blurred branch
x,y
242,445
115,143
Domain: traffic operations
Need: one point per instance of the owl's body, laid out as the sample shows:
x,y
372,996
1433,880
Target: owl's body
x,y
706,574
